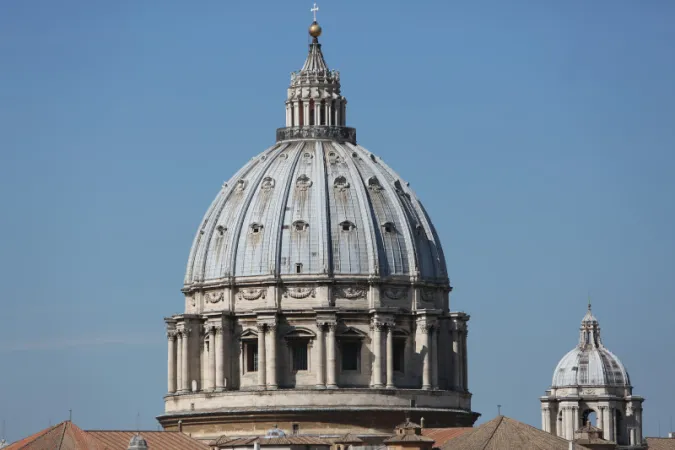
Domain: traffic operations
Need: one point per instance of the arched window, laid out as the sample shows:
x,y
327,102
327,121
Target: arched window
x,y
312,113
347,226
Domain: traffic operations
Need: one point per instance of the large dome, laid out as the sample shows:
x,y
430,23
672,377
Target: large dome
x,y
316,292
590,363
315,208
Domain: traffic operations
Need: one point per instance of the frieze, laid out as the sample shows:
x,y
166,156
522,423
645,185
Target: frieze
x,y
335,133
300,292
251,294
394,293
351,292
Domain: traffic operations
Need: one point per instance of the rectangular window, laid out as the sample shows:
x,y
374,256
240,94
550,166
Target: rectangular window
x,y
399,354
351,354
252,357
299,355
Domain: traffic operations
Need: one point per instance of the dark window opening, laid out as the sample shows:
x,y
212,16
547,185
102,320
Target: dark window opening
x,y
299,355
298,268
256,228
301,114
388,227
347,226
322,113
252,357
296,428
332,114
351,355
399,355
311,112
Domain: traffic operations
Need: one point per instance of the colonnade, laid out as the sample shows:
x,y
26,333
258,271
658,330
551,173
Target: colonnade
x,y
215,362
300,112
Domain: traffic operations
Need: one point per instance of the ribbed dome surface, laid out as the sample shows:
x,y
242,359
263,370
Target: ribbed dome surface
x,y
591,367
316,207
590,363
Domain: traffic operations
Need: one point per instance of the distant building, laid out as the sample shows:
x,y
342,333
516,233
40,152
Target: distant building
x,y
592,380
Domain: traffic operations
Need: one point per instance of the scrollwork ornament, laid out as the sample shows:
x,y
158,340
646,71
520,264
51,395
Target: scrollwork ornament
x,y
171,334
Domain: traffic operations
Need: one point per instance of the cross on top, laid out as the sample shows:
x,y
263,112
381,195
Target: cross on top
x,y
314,10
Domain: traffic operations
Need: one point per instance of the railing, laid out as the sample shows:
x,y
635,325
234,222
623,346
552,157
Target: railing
x,y
333,133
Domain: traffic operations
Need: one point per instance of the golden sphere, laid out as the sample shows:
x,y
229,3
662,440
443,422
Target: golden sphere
x,y
315,30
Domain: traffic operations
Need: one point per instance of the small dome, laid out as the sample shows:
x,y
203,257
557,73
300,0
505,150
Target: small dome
x,y
590,363
137,443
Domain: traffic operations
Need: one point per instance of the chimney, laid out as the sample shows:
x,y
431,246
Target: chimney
x,y
180,426
671,435
422,422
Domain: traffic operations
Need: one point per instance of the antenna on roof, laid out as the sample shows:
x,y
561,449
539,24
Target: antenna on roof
x,y
499,410
138,422
70,415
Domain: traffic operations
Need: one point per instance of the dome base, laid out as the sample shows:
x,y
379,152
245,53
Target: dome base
x,y
314,411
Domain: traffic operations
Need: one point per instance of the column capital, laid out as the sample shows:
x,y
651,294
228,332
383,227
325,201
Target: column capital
x,y
378,325
171,334
261,327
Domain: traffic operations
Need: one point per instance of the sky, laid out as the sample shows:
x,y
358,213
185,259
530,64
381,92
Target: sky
x,y
539,135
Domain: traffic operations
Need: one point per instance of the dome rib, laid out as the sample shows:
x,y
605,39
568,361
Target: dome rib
x,y
291,173
365,211
402,218
243,214
200,245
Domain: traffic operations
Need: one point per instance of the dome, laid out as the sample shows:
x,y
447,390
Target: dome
x,y
137,442
590,363
315,208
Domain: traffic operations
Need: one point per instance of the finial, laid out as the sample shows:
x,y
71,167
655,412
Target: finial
x,y
589,301
315,28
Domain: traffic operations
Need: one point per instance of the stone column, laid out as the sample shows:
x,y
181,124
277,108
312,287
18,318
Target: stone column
x,y
455,358
330,357
296,114
615,431
219,360
210,378
171,335
327,113
185,365
338,115
638,426
426,360
305,112
465,360
434,356
390,356
272,357
179,361
262,379
575,419
544,419
377,350
288,115
610,423
320,365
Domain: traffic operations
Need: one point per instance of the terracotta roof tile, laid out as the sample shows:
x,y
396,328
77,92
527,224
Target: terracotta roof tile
x,y
443,435
157,440
64,436
503,433
661,443
225,441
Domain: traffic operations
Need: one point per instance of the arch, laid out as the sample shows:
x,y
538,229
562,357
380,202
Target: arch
x,y
346,226
590,416
300,225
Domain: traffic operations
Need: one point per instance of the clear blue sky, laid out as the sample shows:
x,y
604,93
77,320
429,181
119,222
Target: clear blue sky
x,y
539,135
